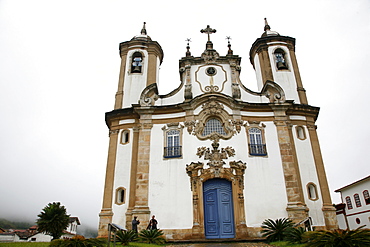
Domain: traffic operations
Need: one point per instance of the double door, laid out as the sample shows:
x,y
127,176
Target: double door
x,y
218,209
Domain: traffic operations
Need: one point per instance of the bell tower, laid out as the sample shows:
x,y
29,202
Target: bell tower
x,y
140,61
273,58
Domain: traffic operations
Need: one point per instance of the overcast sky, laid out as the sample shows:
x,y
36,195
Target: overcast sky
x,y
59,67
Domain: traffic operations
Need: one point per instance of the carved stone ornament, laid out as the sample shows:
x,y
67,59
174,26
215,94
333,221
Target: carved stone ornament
x,y
149,95
215,156
273,92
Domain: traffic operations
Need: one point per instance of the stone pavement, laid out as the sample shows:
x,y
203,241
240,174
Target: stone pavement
x,y
246,244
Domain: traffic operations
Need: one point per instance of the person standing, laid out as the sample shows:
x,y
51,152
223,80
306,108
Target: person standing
x,y
135,222
152,223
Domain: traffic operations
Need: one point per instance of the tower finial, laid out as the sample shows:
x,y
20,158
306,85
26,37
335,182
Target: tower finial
x,y
208,31
229,52
267,26
143,30
188,54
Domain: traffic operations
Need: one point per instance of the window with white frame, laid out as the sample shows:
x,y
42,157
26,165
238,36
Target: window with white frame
x,y
349,202
125,136
213,125
357,200
173,146
256,143
366,196
312,191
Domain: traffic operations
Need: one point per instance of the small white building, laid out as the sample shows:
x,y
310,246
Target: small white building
x,y
354,211
32,235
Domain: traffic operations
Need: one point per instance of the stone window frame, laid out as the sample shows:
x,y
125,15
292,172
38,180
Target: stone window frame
x,y
169,127
120,196
261,127
285,57
312,191
125,136
300,130
131,58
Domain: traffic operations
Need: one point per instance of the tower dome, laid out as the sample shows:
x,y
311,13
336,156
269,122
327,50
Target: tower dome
x,y
268,31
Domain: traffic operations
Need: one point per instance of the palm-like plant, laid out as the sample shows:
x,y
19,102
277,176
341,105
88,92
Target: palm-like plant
x,y
126,236
154,236
339,238
276,230
53,220
295,235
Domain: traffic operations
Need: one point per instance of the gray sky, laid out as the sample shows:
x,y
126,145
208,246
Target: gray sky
x,y
59,66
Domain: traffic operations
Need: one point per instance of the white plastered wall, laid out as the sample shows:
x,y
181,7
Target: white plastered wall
x,y
308,174
122,178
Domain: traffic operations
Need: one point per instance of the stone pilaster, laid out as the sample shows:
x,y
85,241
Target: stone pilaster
x,y
327,208
106,213
296,208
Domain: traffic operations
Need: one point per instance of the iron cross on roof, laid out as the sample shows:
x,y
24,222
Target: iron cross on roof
x,y
208,31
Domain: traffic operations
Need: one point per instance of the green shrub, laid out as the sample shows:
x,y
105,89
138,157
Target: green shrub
x,y
295,235
125,237
152,236
276,230
338,238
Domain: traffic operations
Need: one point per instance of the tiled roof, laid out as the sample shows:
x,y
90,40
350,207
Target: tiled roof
x,y
349,185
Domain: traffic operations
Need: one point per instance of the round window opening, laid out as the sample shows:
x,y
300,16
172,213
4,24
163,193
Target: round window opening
x,y
211,71
358,221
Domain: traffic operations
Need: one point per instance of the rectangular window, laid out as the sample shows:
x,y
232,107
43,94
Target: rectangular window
x,y
256,145
173,148
366,196
357,200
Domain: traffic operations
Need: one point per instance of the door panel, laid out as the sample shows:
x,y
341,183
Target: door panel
x,y
218,209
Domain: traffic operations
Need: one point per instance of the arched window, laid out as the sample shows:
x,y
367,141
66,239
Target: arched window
x,y
120,195
301,134
173,147
357,200
125,137
136,62
213,125
366,196
349,202
312,191
280,59
256,144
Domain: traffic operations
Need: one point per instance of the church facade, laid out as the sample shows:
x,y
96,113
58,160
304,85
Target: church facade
x,y
214,159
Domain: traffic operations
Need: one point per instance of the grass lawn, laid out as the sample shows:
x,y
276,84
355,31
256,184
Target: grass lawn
x,y
285,244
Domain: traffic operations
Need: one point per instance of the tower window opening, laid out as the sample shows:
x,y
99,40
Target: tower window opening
x,y
136,65
125,137
280,59
301,133
213,125
312,192
120,195
256,145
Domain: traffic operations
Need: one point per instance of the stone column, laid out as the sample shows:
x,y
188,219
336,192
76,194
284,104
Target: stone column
x,y
327,208
141,208
296,207
106,213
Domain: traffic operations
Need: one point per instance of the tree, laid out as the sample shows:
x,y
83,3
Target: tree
x,y
53,220
276,230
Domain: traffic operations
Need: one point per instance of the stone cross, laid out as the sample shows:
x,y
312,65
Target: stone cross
x,y
208,31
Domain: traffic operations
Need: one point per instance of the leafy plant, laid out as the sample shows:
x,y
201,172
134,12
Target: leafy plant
x,y
338,238
53,219
125,237
295,235
154,236
276,230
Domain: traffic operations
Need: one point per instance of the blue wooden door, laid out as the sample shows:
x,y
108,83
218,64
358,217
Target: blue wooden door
x,y
218,209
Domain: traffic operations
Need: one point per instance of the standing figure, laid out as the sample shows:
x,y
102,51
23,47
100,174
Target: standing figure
x,y
135,222
152,223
